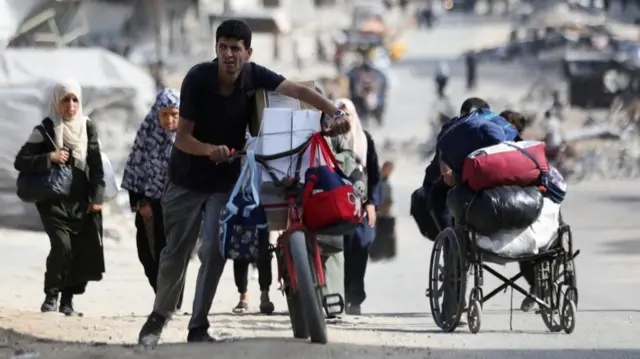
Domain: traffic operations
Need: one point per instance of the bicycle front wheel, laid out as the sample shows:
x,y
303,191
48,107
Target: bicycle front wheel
x,y
298,324
308,291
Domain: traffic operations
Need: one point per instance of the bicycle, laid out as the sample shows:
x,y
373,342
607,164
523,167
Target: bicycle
x,y
300,269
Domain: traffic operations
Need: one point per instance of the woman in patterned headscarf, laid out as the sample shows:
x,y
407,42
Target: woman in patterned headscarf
x,y
145,176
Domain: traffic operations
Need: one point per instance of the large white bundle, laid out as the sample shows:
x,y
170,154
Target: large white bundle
x,y
539,236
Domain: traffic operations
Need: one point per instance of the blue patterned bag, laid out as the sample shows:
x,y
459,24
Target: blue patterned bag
x,y
244,234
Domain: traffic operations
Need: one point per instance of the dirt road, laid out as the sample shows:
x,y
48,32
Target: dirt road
x,y
396,322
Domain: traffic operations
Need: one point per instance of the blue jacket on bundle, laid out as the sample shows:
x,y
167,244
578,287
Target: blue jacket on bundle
x,y
462,135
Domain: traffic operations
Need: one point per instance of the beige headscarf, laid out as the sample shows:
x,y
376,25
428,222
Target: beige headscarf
x,y
355,139
70,132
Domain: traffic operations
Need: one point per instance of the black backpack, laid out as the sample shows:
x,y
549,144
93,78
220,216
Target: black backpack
x,y
422,213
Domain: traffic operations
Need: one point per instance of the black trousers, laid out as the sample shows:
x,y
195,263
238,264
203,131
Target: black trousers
x,y
441,86
471,79
241,274
72,261
265,275
356,257
151,244
527,269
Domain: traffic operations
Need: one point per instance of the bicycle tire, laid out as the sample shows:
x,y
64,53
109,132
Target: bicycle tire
x,y
308,293
298,323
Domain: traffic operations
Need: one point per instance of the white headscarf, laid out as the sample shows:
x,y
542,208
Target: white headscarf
x,y
355,139
70,132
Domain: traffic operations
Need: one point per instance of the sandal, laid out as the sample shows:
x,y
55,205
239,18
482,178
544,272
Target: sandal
x,y
241,308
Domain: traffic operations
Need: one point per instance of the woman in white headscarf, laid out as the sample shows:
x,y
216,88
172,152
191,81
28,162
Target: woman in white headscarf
x,y
74,223
365,175
354,140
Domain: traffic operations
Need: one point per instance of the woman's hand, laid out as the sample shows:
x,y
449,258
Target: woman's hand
x,y
94,208
59,156
371,214
145,210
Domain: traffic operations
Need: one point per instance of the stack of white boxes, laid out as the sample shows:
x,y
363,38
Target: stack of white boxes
x,y
283,129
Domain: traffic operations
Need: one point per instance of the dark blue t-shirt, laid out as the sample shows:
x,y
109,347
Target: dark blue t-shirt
x,y
219,120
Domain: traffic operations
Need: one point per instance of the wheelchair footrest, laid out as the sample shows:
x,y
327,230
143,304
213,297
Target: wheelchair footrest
x,y
333,304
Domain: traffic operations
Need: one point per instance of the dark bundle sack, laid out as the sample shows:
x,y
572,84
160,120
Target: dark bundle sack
x,y
496,209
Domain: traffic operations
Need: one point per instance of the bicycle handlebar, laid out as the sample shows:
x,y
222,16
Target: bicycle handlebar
x,y
237,154
263,159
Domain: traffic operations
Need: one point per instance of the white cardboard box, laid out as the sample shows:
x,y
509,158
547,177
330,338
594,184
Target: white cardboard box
x,y
282,130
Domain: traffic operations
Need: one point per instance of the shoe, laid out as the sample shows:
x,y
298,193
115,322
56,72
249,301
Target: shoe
x,y
353,309
66,306
151,330
50,303
528,304
200,335
266,306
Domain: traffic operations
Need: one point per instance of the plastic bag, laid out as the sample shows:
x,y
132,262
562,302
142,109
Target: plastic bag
x,y
528,241
493,210
110,185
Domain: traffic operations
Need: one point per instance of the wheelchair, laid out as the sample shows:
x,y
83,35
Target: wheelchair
x,y
555,288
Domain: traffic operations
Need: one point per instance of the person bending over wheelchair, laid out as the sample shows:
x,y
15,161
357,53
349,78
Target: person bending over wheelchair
x,y
443,171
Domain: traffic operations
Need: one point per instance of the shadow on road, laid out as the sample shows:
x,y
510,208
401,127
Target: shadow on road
x,y
20,346
623,246
632,199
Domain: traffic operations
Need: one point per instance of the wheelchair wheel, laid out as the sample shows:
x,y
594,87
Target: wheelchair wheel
x,y
547,290
568,315
566,276
474,316
447,280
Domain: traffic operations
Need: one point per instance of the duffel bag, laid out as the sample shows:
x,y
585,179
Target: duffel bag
x,y
505,164
329,202
493,210
54,184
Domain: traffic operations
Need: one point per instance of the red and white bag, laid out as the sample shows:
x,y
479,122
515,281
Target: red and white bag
x,y
505,164
329,203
